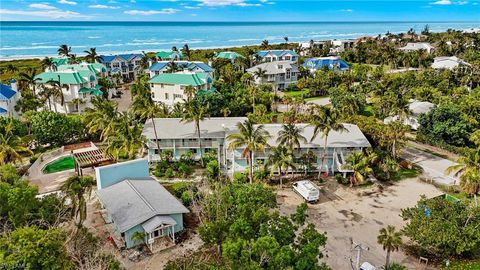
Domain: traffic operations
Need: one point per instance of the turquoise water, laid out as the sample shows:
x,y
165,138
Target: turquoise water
x,y
28,39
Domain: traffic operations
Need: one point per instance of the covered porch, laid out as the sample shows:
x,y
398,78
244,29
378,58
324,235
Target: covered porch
x,y
159,233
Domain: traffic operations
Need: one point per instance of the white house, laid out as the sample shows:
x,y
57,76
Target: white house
x,y
78,87
128,65
278,73
180,138
416,108
175,66
169,88
8,99
449,62
411,47
277,55
339,46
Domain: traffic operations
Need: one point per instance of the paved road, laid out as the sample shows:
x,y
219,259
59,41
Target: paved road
x,y
433,166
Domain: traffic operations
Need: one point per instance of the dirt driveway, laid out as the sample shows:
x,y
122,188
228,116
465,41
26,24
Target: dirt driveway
x,y
346,215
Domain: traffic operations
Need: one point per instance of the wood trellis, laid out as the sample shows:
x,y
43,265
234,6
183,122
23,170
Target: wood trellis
x,y
91,158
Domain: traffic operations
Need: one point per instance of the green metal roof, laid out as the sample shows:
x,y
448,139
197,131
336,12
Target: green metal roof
x,y
229,55
169,55
64,77
94,67
60,61
206,92
93,91
193,79
96,92
85,90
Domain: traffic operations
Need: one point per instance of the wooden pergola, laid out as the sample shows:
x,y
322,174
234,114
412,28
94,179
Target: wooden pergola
x,y
92,158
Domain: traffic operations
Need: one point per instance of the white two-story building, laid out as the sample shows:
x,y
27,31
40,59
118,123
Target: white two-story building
x,y
169,88
278,73
178,66
128,65
277,55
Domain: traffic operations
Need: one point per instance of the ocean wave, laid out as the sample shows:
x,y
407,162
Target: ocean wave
x,y
94,37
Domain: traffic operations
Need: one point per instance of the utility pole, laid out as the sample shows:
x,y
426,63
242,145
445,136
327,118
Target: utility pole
x,y
359,248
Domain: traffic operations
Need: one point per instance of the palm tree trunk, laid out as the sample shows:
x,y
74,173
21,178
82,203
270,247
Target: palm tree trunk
x,y
156,136
476,199
394,151
199,142
323,156
250,163
387,262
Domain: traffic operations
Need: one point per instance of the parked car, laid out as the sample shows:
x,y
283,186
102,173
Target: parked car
x,y
307,190
367,266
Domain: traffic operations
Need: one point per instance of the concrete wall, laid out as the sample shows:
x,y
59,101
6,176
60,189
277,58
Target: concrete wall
x,y
112,174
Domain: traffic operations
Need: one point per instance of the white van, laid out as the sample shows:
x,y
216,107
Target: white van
x,y
367,266
307,190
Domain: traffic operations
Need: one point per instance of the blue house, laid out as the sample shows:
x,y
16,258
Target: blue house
x,y
137,204
179,66
333,63
8,99
128,65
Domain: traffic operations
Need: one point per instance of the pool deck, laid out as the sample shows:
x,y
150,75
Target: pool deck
x,y
53,181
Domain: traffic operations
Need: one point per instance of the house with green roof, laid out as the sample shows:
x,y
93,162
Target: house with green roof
x,y
78,88
97,68
169,88
232,56
169,55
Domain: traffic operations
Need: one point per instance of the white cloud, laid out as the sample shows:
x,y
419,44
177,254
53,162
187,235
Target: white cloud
x,y
66,2
222,3
346,10
41,6
152,12
53,14
461,3
103,7
442,2
191,7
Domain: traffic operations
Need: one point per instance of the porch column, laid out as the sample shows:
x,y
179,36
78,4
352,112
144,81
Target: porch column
x,y
174,148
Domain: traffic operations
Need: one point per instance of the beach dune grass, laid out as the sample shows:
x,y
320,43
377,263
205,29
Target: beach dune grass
x,y
62,164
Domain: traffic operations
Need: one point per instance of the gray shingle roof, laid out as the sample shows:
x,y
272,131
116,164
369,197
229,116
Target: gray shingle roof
x,y
174,128
351,137
133,202
273,67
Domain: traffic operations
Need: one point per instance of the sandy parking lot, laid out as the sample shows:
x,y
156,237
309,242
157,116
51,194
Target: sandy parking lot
x,y
358,214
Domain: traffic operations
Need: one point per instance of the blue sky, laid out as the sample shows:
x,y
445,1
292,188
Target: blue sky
x,y
239,10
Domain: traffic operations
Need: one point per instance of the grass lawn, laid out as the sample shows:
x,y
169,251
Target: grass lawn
x,y
294,94
367,111
463,265
315,98
62,164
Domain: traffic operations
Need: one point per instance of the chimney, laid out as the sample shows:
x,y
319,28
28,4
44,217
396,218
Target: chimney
x,y
13,85
149,62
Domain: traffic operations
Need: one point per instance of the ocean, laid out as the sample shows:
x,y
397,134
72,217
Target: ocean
x,y
39,39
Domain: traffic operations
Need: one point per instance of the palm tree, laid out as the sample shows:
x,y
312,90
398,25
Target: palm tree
x,y
281,159
390,240
76,188
359,163
291,136
57,93
172,67
126,137
196,111
78,101
252,90
190,92
470,183
72,59
102,117
260,73
11,68
252,139
138,237
11,145
325,119
47,63
30,79
264,44
64,50
92,56
394,133
186,51
150,110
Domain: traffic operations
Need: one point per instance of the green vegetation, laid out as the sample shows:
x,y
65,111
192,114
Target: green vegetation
x,y
62,164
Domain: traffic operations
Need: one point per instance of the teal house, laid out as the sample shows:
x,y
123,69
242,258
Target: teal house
x,y
139,208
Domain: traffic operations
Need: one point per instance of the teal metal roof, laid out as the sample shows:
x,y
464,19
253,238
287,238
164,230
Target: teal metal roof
x,y
193,79
64,77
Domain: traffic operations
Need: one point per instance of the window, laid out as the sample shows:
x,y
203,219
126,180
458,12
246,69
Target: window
x,y
153,94
166,95
151,85
287,57
288,74
280,66
137,63
116,65
157,72
177,96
